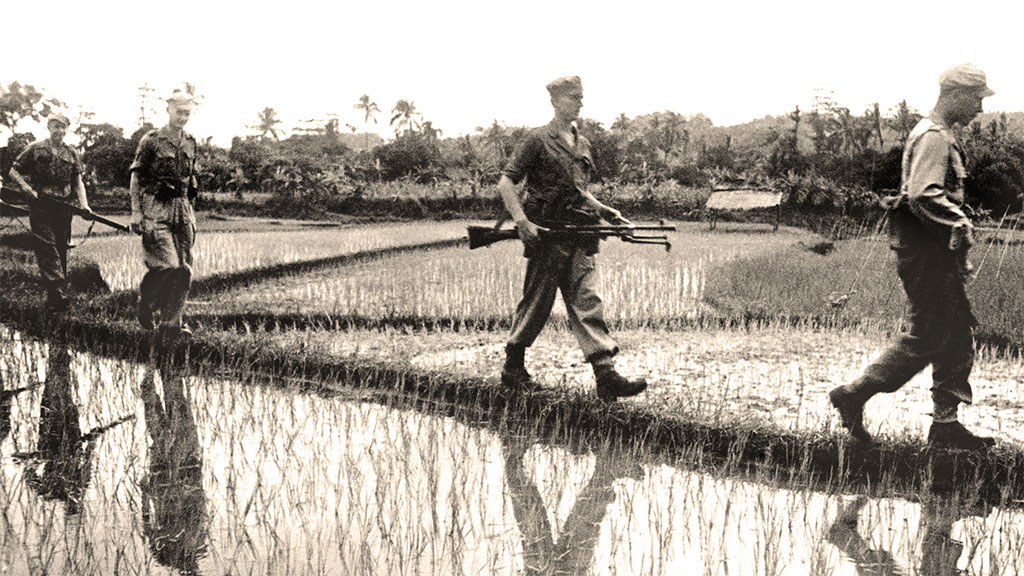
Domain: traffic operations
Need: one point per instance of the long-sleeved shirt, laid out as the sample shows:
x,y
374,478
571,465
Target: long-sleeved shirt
x,y
933,176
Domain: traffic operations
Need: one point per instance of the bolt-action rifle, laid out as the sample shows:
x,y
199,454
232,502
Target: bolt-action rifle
x,y
485,236
60,204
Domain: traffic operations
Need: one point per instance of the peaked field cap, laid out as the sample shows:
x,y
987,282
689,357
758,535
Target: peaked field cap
x,y
179,98
59,118
966,76
564,84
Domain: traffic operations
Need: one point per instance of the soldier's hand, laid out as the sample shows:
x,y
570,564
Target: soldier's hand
x,y
962,237
529,233
613,216
136,224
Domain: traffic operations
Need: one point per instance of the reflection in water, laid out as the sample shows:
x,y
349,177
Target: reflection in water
x,y
940,553
572,551
65,453
173,501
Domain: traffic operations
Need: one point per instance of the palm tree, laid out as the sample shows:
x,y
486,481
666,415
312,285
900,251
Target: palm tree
x,y
370,111
403,118
266,123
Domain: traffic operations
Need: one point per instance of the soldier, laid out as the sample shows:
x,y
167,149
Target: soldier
x,y
556,164
931,236
163,188
50,169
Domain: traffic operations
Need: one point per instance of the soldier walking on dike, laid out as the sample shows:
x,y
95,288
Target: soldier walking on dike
x,y
163,188
50,169
556,163
931,236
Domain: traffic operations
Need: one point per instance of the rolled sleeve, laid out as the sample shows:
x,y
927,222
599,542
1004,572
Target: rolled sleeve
x,y
522,158
143,155
926,189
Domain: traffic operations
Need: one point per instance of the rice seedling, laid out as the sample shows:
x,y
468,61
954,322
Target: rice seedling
x,y
224,472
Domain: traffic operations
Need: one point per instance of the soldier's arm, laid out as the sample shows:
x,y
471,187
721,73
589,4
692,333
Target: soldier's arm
x,y
23,184
135,193
80,192
926,190
515,171
603,210
143,158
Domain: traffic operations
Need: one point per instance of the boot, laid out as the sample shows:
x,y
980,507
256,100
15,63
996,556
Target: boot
x,y
611,385
954,435
513,373
851,412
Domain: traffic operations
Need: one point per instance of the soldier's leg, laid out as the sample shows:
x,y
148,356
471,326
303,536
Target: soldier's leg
x,y
45,229
161,259
586,320
585,308
910,353
543,270
951,374
179,278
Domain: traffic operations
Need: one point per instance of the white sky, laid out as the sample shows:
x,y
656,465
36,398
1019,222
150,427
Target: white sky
x,y
465,63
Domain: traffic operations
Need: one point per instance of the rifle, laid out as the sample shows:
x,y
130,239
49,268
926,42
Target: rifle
x,y
76,210
484,236
84,214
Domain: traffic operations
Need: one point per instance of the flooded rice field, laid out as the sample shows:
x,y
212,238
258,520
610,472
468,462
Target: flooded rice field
x,y
110,467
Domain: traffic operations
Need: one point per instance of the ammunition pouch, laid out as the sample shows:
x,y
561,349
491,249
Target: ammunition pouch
x,y
166,192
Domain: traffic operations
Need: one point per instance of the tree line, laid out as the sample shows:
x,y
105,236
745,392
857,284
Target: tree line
x,y
827,157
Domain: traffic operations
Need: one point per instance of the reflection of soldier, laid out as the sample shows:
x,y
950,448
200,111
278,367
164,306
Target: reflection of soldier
x,y
65,452
931,236
173,501
573,553
51,169
939,552
163,187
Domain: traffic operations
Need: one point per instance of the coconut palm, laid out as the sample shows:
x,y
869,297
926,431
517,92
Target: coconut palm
x,y
404,117
267,122
370,111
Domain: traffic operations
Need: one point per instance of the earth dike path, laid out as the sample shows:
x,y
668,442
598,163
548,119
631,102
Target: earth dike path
x,y
104,324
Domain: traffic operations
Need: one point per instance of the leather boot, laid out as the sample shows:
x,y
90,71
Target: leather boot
x,y
955,435
513,373
611,385
850,405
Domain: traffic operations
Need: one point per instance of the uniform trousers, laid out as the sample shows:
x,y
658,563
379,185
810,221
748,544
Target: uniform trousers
x,y
167,249
570,268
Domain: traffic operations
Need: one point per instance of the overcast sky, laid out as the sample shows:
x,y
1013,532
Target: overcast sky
x,y
466,63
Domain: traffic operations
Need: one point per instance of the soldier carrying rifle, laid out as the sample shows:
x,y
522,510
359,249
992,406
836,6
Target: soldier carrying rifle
x,y
50,170
556,163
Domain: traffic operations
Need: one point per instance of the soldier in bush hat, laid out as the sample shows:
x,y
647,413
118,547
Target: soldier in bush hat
x,y
556,163
50,169
931,236
163,188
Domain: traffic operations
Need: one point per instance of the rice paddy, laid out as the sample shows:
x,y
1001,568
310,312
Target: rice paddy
x,y
111,466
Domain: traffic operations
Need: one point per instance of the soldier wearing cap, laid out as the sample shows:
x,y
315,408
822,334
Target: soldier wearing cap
x,y
556,163
163,188
50,169
931,236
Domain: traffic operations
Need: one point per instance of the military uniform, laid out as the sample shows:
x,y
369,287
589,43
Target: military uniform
x,y
53,171
555,174
921,221
165,166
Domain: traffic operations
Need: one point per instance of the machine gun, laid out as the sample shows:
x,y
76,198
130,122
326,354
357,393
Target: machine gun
x,y
484,236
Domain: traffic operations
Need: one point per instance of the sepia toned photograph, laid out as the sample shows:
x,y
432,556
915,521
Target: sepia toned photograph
x,y
537,288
